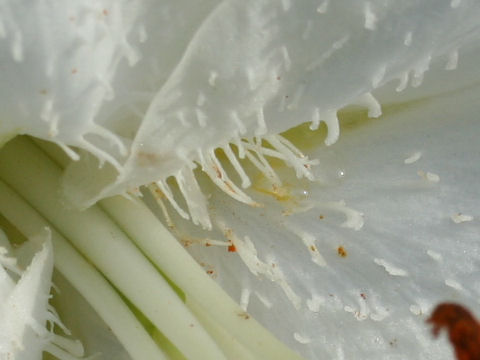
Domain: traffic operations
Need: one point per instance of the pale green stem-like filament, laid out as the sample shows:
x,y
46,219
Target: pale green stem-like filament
x,y
152,237
31,173
84,277
209,323
164,251
226,340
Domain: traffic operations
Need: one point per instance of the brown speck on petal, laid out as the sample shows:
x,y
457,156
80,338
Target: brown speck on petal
x,y
341,251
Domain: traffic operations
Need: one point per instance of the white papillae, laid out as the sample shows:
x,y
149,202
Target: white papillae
x,y
142,93
25,274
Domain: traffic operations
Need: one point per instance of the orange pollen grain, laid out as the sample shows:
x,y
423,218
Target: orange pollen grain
x,y
341,251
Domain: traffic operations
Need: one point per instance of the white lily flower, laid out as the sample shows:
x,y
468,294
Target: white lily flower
x,y
340,246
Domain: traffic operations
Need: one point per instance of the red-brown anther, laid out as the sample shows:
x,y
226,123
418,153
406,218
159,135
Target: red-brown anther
x,y
463,329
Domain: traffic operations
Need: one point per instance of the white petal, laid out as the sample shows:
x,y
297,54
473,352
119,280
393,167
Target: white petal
x,y
24,310
373,301
260,68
